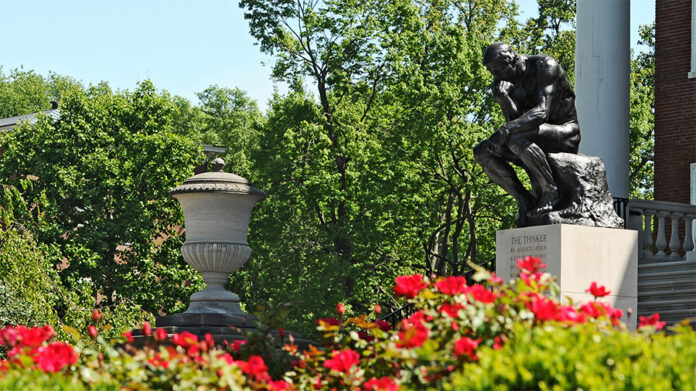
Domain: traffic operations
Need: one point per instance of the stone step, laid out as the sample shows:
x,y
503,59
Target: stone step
x,y
667,299
684,265
675,283
658,305
668,290
664,273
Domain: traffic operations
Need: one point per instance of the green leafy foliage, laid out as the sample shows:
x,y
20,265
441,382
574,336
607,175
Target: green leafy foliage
x,y
642,137
23,92
101,174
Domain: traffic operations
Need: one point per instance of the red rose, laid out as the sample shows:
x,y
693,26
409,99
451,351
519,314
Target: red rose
x,y
343,360
598,290
452,310
129,336
531,265
185,339
34,336
95,315
652,320
452,285
480,293
254,367
384,384
341,308
55,356
92,331
378,309
409,286
570,314
466,347
383,325
278,385
413,332
147,329
160,334
544,308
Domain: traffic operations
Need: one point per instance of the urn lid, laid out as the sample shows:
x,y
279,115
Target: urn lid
x,y
217,181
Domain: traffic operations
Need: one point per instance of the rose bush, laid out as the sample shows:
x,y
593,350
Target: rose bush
x,y
488,335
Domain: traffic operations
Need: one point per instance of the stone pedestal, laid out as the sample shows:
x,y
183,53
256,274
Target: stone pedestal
x,y
578,256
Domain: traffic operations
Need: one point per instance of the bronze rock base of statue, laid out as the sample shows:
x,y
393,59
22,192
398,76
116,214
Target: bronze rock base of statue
x,y
585,197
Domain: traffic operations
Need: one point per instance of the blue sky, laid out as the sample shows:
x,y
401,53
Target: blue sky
x,y
182,46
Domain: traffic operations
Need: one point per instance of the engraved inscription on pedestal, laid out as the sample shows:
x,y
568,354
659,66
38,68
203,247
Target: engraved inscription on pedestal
x,y
526,245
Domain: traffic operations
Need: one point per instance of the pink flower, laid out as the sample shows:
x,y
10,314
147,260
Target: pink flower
x,y
466,346
452,285
652,320
409,286
92,331
378,309
495,279
55,356
383,384
343,360
95,315
341,308
598,290
481,294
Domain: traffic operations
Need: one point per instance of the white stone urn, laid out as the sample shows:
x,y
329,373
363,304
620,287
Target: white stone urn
x,y
217,206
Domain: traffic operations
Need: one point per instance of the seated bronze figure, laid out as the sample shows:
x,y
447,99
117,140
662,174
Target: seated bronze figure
x,y
538,103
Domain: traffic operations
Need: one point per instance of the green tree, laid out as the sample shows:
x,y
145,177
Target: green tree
x,y
371,174
102,172
23,92
231,119
552,32
643,116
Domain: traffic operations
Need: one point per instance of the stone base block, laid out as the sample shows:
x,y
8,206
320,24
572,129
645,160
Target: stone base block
x,y
578,256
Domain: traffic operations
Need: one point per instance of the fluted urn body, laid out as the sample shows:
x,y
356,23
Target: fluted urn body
x,y
217,207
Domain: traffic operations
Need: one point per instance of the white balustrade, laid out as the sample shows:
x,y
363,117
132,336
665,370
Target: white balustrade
x,y
652,232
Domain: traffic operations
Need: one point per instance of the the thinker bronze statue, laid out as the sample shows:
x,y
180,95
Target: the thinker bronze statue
x,y
542,135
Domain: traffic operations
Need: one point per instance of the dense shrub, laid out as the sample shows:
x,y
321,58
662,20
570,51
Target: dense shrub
x,y
459,337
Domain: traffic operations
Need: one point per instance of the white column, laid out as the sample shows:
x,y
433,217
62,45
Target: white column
x,y
602,86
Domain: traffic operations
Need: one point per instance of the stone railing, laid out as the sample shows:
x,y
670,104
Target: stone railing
x,y
666,259
664,230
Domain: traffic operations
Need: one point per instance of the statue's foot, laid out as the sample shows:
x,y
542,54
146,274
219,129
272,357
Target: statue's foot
x,y
524,208
547,202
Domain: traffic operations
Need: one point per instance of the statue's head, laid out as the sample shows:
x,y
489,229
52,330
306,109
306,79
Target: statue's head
x,y
501,61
